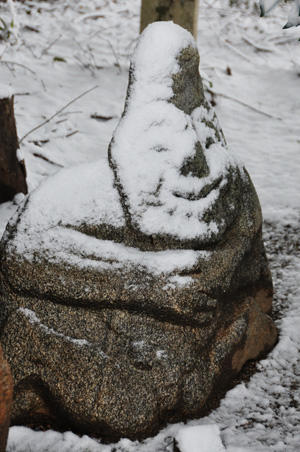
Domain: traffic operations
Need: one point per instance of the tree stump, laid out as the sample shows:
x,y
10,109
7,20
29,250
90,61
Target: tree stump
x,y
6,395
12,170
182,12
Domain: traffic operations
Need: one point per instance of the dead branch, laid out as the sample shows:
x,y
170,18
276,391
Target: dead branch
x,y
72,133
257,46
14,63
245,104
237,51
102,117
40,156
50,45
56,113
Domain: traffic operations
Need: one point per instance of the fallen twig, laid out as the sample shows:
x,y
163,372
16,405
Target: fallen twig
x,y
11,70
39,142
22,94
284,40
75,112
245,104
56,113
93,16
29,28
50,45
72,133
40,156
61,120
101,117
18,64
237,51
257,46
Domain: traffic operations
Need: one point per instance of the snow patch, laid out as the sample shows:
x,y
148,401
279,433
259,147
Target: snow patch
x,y
20,155
154,60
5,91
139,344
161,354
78,195
67,246
200,438
178,281
23,439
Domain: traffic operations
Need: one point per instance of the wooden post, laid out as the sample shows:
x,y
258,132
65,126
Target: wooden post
x,y
12,171
182,12
6,395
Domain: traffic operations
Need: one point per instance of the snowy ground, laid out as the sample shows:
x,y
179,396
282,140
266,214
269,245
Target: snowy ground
x,y
61,49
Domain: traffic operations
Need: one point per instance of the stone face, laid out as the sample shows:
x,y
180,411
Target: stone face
x,y
6,395
134,289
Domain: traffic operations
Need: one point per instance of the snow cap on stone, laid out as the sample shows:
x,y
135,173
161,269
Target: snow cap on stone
x,y
5,91
154,60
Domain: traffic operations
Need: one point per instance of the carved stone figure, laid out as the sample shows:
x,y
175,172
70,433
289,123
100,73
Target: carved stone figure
x,y
134,289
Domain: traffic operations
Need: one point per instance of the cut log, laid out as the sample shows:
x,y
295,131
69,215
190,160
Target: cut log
x,y
182,12
12,170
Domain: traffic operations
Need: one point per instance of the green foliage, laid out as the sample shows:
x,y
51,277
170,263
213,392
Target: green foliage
x,y
59,59
5,30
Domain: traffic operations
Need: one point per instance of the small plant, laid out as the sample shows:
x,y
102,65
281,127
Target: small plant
x,y
266,7
9,31
5,30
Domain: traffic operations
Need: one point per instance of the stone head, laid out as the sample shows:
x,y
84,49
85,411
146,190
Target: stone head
x,y
168,155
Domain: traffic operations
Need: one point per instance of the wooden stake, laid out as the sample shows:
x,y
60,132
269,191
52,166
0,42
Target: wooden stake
x,y
12,171
182,12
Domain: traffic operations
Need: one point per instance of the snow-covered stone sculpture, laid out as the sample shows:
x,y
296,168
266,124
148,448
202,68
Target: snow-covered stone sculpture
x,y
133,289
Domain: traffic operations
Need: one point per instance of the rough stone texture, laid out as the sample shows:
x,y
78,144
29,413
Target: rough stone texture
x,y
6,395
182,12
115,330
12,171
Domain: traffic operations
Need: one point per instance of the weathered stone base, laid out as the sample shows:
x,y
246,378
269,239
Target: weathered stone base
x,y
168,371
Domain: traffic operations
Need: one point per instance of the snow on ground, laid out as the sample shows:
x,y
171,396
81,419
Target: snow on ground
x,y
65,48
203,437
